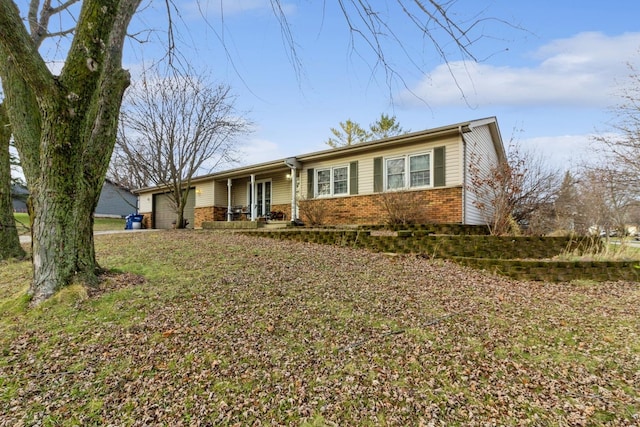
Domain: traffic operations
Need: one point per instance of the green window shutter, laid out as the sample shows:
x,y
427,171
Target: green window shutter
x,y
377,174
310,189
438,167
353,178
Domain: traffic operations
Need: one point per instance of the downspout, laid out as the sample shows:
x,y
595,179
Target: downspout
x,y
294,184
229,213
464,176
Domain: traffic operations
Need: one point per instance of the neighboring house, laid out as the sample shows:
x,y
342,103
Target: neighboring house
x,y
115,201
19,195
349,183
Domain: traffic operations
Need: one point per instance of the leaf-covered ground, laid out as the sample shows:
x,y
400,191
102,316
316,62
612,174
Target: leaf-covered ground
x,y
224,329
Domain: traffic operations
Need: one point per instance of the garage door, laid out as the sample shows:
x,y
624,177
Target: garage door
x,y
164,213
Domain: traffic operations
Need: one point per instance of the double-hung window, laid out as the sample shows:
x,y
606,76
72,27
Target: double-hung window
x,y
396,173
332,181
411,171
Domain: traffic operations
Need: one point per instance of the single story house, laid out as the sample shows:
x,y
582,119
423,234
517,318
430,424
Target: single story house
x,y
115,200
357,184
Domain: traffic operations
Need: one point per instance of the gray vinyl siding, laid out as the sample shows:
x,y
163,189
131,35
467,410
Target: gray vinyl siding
x,y
480,150
115,200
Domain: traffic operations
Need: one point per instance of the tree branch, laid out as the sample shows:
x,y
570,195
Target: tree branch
x,y
17,48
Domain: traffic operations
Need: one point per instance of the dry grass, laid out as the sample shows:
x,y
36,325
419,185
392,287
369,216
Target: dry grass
x,y
100,224
236,330
610,250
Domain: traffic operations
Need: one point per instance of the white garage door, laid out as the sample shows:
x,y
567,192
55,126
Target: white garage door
x,y
164,212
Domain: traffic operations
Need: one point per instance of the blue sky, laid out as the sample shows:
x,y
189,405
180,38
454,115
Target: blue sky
x,y
550,77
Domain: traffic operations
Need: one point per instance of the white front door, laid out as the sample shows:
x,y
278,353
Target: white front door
x,y
262,192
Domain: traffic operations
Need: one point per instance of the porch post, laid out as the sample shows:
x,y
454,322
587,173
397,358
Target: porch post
x,y
294,164
253,198
229,213
294,185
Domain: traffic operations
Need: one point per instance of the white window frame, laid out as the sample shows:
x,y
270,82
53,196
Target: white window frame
x,y
331,170
407,171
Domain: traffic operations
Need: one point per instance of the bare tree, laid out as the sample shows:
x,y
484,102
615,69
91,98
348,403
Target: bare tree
x,y
566,205
173,128
67,140
509,193
66,143
607,199
621,146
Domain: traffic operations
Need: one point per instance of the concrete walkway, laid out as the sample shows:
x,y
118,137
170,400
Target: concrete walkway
x,y
27,238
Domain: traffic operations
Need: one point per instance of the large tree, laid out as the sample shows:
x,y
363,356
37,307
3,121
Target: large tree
x,y
64,128
173,128
65,125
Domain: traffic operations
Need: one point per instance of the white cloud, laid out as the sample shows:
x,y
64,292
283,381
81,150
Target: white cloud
x,y
563,151
257,151
579,71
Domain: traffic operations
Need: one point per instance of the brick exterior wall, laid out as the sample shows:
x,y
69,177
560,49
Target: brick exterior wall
x,y
442,205
207,214
430,206
285,208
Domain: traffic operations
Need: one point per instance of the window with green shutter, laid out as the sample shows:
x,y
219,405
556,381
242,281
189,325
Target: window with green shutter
x,y
420,170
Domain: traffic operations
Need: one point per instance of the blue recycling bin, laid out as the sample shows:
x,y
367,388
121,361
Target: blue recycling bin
x,y
133,222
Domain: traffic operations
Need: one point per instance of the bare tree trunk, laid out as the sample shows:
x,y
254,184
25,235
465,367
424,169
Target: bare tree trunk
x,y
9,239
65,128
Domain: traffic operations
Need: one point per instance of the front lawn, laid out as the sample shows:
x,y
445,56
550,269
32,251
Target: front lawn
x,y
99,224
217,328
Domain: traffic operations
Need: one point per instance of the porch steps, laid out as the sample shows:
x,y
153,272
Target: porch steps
x,y
244,225
229,225
271,225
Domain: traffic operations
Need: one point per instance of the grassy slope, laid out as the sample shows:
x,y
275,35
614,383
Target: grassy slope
x,y
232,329
100,224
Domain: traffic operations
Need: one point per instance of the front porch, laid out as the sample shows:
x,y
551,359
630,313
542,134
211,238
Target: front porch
x,y
265,194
